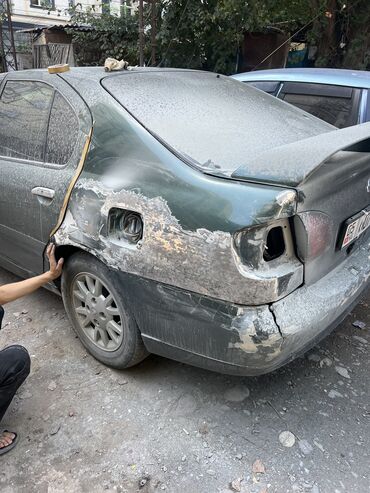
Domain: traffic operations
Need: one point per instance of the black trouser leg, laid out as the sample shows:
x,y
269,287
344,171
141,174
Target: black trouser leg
x,y
15,366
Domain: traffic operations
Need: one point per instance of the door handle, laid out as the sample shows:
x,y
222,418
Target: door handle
x,y
48,193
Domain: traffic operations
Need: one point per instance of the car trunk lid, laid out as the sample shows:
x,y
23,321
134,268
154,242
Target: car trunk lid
x,y
339,192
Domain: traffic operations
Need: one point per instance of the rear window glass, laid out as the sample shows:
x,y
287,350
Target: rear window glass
x,y
215,122
267,86
336,105
337,111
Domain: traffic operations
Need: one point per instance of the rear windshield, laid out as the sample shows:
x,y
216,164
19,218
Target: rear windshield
x,y
213,121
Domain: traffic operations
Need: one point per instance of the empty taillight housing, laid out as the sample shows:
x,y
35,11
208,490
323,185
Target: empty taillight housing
x,y
275,244
264,244
266,252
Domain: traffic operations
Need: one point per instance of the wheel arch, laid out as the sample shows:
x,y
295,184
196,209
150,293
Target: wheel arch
x,y
66,251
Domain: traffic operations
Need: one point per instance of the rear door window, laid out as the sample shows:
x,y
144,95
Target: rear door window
x,y
24,115
336,105
62,133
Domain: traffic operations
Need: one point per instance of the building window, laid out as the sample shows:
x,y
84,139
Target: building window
x,y
43,4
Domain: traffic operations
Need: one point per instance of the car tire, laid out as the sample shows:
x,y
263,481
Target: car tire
x,y
109,333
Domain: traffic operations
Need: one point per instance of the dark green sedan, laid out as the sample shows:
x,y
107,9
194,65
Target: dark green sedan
x,y
199,218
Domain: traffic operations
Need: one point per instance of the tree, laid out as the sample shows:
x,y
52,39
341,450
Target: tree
x,y
342,34
112,36
207,34
356,49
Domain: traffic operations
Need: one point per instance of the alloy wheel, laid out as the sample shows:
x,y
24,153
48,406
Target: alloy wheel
x,y
97,312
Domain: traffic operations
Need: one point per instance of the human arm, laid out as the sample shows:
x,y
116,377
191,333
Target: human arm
x,y
13,291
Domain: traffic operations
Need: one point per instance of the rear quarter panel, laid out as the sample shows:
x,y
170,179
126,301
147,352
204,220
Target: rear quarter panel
x,y
189,217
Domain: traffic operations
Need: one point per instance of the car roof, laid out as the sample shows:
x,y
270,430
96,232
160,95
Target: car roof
x,y
97,73
339,77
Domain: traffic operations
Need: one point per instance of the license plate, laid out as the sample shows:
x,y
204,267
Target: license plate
x,y
355,226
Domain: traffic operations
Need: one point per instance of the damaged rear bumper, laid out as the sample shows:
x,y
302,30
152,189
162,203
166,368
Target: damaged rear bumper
x,y
245,340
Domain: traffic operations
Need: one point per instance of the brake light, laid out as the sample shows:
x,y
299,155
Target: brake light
x,y
314,234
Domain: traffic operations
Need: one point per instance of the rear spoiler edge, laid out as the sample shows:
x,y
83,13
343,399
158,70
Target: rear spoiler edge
x,y
293,162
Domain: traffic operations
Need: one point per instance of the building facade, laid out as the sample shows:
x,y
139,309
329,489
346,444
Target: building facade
x,y
50,12
40,12
28,15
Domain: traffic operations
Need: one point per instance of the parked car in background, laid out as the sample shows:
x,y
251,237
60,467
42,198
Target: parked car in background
x,y
340,97
195,220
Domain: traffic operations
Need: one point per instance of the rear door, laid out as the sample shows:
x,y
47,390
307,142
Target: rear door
x,y
337,105
43,129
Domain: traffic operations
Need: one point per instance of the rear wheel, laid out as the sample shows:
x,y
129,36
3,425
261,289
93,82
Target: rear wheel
x,y
98,312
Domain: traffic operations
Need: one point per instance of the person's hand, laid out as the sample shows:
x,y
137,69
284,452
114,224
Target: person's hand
x,y
55,269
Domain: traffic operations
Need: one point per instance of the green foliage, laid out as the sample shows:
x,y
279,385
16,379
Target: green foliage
x,y
356,53
207,34
112,36
342,36
191,33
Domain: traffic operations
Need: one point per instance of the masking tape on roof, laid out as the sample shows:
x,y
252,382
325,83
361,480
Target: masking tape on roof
x,y
58,69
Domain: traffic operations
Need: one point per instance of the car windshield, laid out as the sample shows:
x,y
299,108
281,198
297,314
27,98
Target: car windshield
x,y
213,121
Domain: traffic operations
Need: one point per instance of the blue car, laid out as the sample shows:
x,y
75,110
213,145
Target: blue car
x,y
340,97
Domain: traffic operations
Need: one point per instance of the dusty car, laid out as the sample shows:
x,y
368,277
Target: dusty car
x,y
340,97
200,219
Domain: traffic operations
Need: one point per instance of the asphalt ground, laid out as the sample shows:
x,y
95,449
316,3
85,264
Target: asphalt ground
x,y
166,426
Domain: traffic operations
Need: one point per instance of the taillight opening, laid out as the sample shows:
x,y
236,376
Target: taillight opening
x,y
275,244
264,247
266,252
